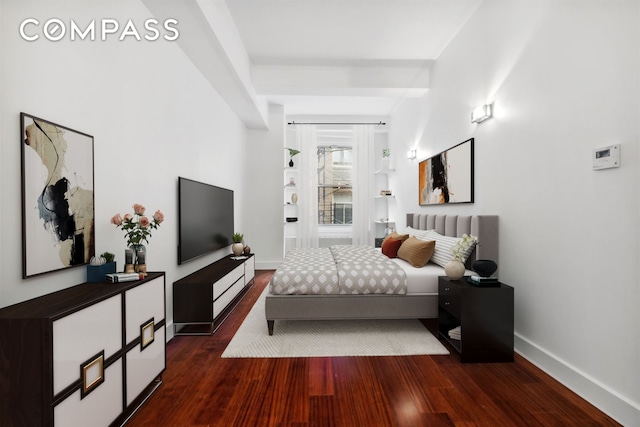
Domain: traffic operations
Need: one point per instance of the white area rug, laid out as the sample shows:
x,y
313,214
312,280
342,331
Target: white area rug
x,y
317,338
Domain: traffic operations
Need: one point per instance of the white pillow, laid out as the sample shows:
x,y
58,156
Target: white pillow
x,y
418,234
442,254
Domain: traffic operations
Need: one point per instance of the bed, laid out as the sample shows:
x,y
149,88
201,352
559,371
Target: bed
x,y
419,300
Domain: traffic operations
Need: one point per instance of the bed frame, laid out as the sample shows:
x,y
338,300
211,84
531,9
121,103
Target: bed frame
x,y
412,306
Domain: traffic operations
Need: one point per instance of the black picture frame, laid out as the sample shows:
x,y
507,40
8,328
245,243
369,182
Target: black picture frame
x,y
447,177
58,205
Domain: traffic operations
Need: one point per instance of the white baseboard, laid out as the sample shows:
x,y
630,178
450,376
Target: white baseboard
x,y
169,329
612,403
268,265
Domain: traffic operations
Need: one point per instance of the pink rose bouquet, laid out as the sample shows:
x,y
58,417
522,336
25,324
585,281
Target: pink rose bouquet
x,y
137,227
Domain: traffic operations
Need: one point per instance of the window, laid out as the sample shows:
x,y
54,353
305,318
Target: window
x,y
335,197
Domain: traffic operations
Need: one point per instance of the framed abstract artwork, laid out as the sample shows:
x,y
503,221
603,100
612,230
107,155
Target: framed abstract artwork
x,y
57,197
447,177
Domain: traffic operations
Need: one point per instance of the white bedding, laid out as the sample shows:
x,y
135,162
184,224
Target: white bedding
x,y
423,280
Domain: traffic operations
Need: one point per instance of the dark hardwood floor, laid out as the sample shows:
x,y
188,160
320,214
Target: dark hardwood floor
x,y
201,389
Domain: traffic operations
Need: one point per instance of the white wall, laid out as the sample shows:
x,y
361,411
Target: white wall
x,y
152,114
564,77
264,202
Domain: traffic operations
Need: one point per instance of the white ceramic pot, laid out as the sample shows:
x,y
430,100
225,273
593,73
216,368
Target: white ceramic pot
x,y
385,163
294,198
454,269
237,249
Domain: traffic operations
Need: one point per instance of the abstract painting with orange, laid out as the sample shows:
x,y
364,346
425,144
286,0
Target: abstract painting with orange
x,y
447,177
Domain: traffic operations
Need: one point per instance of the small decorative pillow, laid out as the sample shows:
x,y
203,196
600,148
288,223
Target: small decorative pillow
x,y
394,235
442,254
390,247
416,252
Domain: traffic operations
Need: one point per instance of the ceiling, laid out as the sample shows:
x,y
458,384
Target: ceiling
x,y
316,31
315,57
331,49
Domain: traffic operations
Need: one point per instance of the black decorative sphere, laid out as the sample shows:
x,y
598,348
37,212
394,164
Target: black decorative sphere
x,y
484,267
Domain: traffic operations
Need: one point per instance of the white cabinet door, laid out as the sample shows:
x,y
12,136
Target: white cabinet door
x,y
143,303
143,365
81,335
221,303
98,408
227,281
249,269
144,308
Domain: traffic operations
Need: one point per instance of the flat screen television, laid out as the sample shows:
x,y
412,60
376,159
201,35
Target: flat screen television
x,y
205,219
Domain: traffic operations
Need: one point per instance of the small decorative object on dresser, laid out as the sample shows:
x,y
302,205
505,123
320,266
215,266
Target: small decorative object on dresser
x,y
247,250
100,266
294,198
237,246
484,267
455,268
137,228
139,257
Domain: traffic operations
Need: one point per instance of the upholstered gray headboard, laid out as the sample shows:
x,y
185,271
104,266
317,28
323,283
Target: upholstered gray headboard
x,y
484,227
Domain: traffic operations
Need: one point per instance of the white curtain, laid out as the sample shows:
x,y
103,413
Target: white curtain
x,y
363,164
307,228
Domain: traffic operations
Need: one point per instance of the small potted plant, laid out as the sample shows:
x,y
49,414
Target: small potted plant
x,y
237,246
292,152
386,158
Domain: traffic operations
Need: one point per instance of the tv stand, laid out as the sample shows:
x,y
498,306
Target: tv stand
x,y
204,299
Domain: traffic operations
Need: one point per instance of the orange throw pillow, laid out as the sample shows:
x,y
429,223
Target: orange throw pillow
x,y
416,252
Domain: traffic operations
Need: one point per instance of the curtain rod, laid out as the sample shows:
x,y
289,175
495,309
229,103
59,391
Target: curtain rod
x,y
311,123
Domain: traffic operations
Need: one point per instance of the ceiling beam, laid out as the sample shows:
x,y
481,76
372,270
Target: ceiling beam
x,y
209,38
380,78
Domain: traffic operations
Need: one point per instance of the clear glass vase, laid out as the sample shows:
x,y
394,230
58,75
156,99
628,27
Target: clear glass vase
x,y
139,254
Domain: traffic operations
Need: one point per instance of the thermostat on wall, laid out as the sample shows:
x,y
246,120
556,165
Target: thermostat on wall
x,y
606,157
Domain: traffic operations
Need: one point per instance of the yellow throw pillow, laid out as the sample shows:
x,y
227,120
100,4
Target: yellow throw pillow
x,y
416,252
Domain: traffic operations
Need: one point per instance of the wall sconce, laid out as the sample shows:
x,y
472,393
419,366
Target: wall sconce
x,y
411,154
481,113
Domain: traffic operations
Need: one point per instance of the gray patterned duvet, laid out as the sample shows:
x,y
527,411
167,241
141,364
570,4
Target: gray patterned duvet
x,y
339,269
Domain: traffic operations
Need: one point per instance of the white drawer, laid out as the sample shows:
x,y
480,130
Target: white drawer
x,y
81,335
249,269
221,303
144,365
143,303
98,408
227,281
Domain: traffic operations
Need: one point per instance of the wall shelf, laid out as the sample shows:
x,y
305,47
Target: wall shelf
x,y
381,208
384,171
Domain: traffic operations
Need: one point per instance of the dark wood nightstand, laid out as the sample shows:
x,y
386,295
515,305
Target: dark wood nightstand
x,y
485,317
